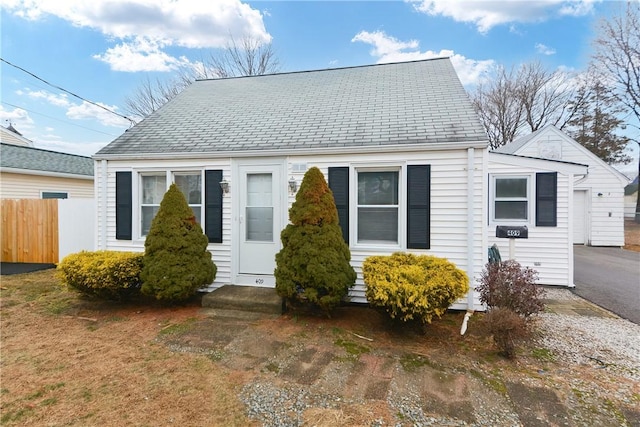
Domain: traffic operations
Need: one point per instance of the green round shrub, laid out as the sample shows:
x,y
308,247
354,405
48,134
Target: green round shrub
x,y
313,267
176,260
109,275
413,287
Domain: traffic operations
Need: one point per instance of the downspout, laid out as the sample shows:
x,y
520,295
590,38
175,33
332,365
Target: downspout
x,y
470,240
102,206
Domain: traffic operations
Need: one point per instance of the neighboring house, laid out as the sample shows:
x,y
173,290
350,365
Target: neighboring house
x,y
33,173
400,145
597,197
10,135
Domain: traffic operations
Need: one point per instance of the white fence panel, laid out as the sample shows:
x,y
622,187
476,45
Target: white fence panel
x,y
76,225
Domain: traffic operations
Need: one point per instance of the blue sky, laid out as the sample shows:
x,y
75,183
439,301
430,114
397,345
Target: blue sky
x,y
102,50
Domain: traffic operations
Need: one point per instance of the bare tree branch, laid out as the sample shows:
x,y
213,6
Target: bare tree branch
x,y
249,58
617,54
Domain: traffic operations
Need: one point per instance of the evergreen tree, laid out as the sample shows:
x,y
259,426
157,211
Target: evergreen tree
x,y
314,263
597,121
176,260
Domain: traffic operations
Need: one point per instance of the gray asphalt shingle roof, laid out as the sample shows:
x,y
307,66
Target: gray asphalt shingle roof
x,y
29,158
376,105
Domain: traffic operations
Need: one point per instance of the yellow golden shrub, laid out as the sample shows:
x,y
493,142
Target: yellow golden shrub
x,y
413,287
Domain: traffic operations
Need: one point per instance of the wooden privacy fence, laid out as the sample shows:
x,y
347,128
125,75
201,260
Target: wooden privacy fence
x,y
29,230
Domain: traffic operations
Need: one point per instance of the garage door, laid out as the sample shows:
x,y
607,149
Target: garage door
x,y
579,217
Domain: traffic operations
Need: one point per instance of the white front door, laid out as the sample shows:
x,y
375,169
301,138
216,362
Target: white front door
x,y
260,222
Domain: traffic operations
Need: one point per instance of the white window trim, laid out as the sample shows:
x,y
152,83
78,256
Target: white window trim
x,y
530,200
353,206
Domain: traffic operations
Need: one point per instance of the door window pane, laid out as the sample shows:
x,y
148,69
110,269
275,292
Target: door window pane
x,y
260,224
259,209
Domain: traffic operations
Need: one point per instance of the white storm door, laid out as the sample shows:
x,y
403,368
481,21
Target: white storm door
x,y
260,219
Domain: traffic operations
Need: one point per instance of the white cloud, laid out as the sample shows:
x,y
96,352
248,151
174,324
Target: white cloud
x,y
488,14
383,44
86,111
389,49
18,117
59,100
140,55
544,49
157,23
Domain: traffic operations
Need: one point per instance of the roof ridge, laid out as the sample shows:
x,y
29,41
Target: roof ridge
x,y
328,69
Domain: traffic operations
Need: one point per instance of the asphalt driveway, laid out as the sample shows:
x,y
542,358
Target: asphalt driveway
x,y
610,278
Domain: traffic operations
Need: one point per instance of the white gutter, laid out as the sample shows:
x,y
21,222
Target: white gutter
x,y
45,173
425,146
470,245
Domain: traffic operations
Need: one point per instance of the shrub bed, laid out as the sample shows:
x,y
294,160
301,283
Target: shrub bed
x,y
413,287
103,274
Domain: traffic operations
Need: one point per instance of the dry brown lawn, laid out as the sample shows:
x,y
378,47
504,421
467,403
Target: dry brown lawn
x,y
74,362
631,235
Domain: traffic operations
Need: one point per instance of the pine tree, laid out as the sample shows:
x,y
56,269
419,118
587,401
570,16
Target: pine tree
x,y
313,266
176,260
596,122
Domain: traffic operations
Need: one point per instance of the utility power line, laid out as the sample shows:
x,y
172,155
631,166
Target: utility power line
x,y
66,91
53,118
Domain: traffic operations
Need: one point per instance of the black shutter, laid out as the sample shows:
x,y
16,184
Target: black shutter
x,y
213,205
123,205
418,206
546,199
339,185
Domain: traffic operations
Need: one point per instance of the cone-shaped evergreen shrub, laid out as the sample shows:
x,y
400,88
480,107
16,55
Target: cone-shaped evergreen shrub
x,y
313,265
176,261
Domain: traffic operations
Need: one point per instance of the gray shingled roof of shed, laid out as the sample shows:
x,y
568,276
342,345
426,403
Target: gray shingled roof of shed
x,y
376,105
515,145
35,159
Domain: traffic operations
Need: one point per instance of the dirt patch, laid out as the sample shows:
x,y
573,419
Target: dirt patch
x,y
631,235
71,361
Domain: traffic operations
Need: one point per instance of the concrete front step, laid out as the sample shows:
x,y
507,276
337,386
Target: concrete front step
x,y
235,315
244,298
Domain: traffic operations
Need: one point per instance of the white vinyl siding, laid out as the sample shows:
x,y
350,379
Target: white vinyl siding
x,y
449,191
105,206
604,186
548,250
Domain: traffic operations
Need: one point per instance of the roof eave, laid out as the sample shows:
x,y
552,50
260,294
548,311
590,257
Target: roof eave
x,y
432,146
46,173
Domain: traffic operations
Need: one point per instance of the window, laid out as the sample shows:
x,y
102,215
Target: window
x,y
151,186
152,191
191,186
377,207
511,198
54,195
